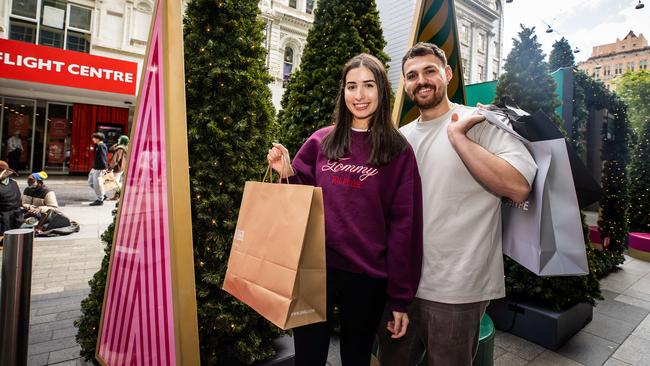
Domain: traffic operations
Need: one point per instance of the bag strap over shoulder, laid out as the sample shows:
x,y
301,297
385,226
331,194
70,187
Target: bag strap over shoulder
x,y
493,117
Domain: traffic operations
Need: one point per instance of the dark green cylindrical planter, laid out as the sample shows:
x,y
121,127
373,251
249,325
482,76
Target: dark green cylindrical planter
x,y
485,352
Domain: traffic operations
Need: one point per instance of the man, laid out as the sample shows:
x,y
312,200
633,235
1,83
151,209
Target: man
x,y
100,163
11,215
15,150
37,197
466,167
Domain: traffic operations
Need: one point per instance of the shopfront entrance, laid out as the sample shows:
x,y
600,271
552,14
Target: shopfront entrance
x,y
53,136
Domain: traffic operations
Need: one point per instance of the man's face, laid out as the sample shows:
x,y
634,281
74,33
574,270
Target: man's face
x,y
425,80
95,140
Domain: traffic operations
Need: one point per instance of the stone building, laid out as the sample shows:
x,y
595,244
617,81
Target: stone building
x,y
611,60
287,25
480,29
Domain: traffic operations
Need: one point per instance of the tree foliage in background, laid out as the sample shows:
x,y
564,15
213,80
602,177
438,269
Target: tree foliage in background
x,y
634,89
561,55
230,128
639,208
526,79
341,30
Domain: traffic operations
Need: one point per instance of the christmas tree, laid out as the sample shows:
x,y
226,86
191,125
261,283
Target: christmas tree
x,y
341,30
561,55
639,208
527,81
526,78
230,127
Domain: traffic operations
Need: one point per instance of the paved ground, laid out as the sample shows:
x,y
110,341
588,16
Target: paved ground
x,y
619,334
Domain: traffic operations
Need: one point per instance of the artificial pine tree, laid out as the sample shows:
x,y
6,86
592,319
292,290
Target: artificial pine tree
x,y
526,78
639,208
341,30
527,81
230,127
561,55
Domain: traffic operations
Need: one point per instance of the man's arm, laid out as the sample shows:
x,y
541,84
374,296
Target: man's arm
x,y
496,174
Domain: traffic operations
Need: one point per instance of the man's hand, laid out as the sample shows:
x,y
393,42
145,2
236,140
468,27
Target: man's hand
x,y
398,325
458,127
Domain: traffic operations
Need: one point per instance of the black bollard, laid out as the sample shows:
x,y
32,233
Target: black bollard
x,y
15,296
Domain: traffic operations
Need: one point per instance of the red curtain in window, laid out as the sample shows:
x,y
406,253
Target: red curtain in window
x,y
86,120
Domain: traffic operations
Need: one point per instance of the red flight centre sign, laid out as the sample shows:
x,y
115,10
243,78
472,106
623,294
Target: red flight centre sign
x,y
49,65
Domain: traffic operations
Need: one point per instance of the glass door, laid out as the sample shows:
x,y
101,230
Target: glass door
x,y
16,133
58,135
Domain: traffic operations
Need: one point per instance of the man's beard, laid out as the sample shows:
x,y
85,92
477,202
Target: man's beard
x,y
436,97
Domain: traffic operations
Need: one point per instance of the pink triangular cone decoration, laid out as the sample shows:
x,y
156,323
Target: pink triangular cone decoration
x,y
138,303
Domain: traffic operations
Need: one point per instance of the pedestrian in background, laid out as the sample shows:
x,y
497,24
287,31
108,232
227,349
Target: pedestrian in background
x,y
11,213
15,150
118,162
100,164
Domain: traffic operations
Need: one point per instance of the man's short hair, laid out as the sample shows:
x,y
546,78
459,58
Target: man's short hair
x,y
423,49
99,135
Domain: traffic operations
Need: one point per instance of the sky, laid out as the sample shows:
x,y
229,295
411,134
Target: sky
x,y
585,23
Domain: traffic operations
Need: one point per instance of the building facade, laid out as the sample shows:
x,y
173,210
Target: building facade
x,y
287,24
610,61
480,29
68,68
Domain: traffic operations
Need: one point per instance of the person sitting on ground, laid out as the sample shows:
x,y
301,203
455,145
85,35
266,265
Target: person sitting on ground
x,y
37,197
11,215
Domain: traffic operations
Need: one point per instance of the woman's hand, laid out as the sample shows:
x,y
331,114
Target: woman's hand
x,y
280,160
398,325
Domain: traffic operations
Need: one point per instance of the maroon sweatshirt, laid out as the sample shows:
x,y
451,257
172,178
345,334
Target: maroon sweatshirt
x,y
373,214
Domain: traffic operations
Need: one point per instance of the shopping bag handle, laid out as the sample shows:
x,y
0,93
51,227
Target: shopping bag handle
x,y
269,171
491,116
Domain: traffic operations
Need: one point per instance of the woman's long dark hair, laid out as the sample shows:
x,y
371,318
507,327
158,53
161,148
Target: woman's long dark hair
x,y
386,142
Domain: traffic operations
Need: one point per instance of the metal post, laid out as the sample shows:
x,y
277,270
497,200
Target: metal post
x,y
15,296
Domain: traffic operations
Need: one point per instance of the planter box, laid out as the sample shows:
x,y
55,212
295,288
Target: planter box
x,y
639,246
539,324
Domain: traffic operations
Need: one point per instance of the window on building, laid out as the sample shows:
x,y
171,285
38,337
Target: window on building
x,y
607,71
643,65
293,4
310,6
287,65
482,44
619,69
630,66
597,73
481,73
464,33
54,23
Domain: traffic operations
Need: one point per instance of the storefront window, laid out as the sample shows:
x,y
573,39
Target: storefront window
x,y
16,137
58,137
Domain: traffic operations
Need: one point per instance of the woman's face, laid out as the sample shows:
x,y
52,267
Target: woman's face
x,y
361,94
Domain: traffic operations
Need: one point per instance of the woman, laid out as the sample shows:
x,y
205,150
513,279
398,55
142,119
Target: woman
x,y
118,160
373,214
37,197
